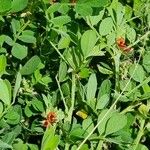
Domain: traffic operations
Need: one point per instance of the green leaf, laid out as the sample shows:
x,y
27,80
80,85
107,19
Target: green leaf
x,y
9,88
141,147
102,101
91,87
88,41
148,19
87,124
60,21
76,133
30,66
123,83
27,38
8,40
28,111
104,70
3,64
84,73
4,145
138,7
95,19
53,8
137,72
15,24
65,88
18,5
19,51
17,85
50,141
5,5
37,105
73,57
115,123
84,147
105,88
3,50
128,12
12,117
62,71
146,88
60,7
131,34
2,39
64,8
93,3
106,26
103,94
83,9
1,107
45,80
96,51
18,144
33,147
146,61
111,38
5,92
11,136
64,42
28,32
102,126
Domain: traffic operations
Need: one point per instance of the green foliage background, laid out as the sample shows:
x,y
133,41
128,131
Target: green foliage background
x,y
62,57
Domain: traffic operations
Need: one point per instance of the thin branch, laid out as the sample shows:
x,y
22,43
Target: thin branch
x,y
61,93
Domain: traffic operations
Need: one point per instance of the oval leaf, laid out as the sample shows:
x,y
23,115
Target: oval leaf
x,y
88,41
115,123
91,87
4,92
19,51
27,38
30,66
18,5
106,26
3,64
136,71
5,5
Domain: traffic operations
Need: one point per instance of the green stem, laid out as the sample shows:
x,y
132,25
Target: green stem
x,y
140,134
73,89
129,108
100,145
141,84
140,39
61,93
58,52
117,64
67,146
21,30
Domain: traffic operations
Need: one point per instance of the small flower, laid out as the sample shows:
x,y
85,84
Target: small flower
x,y
73,1
53,1
45,123
50,119
122,45
121,42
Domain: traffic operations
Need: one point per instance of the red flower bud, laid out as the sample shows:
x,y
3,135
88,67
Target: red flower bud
x,y
50,119
122,45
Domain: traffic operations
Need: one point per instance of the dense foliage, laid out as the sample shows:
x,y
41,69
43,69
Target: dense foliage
x,y
74,75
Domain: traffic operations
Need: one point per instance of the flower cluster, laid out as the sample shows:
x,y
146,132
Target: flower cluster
x,y
122,45
50,119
